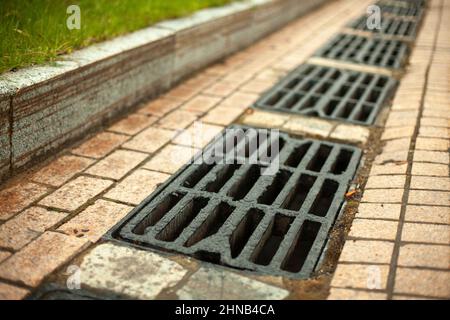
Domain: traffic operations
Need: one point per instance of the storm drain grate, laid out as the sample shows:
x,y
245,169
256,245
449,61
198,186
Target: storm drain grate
x,y
389,26
358,49
330,93
237,215
409,10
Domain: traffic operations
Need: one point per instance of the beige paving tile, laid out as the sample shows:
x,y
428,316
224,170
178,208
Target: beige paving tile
x,y
430,183
182,92
431,156
397,132
264,119
100,145
424,255
383,195
439,198
200,104
10,292
431,214
177,120
220,89
391,181
94,221
133,124
170,159
389,169
373,229
426,233
422,282
4,255
23,228
429,169
16,198
160,106
74,194
379,211
150,140
222,115
360,276
432,144
367,251
198,135
61,170
41,257
349,294
434,132
137,186
117,164
240,100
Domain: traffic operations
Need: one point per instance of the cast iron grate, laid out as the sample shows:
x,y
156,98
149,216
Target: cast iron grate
x,y
363,50
330,93
233,214
409,10
389,26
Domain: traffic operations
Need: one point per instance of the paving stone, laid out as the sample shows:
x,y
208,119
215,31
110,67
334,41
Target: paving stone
x,y
392,157
389,169
94,221
436,122
431,156
24,227
392,181
348,294
300,125
171,158
360,276
4,255
367,251
397,145
126,271
177,120
100,145
430,183
426,233
373,229
429,169
402,118
422,282
160,106
240,100
383,195
200,104
117,164
424,255
221,89
256,86
434,132
431,214
222,115
182,92
137,186
379,211
41,257
133,124
16,198
264,119
61,170
74,194
350,133
10,292
218,284
436,113
150,140
198,135
439,198
397,132
432,144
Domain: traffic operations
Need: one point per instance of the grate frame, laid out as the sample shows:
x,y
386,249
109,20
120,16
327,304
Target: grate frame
x,y
385,53
389,26
247,225
409,10
348,96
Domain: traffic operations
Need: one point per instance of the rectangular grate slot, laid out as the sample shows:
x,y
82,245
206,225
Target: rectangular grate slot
x,y
411,10
157,213
324,199
339,94
363,50
212,224
242,215
298,253
244,231
271,240
175,227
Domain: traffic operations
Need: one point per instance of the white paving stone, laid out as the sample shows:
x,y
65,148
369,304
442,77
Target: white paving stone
x,y
127,271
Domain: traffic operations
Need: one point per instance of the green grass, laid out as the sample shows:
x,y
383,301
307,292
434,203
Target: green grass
x,y
35,31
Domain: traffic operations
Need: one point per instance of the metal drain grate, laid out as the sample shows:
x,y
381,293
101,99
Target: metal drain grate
x,y
409,10
363,50
234,215
330,93
389,26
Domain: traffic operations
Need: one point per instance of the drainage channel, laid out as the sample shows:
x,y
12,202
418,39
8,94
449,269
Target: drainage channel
x,y
391,26
270,217
330,93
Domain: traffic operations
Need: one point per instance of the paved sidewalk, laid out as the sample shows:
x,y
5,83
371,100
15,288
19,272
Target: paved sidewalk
x,y
401,234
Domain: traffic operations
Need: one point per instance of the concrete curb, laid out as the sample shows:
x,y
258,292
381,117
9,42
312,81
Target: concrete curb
x,y
45,107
